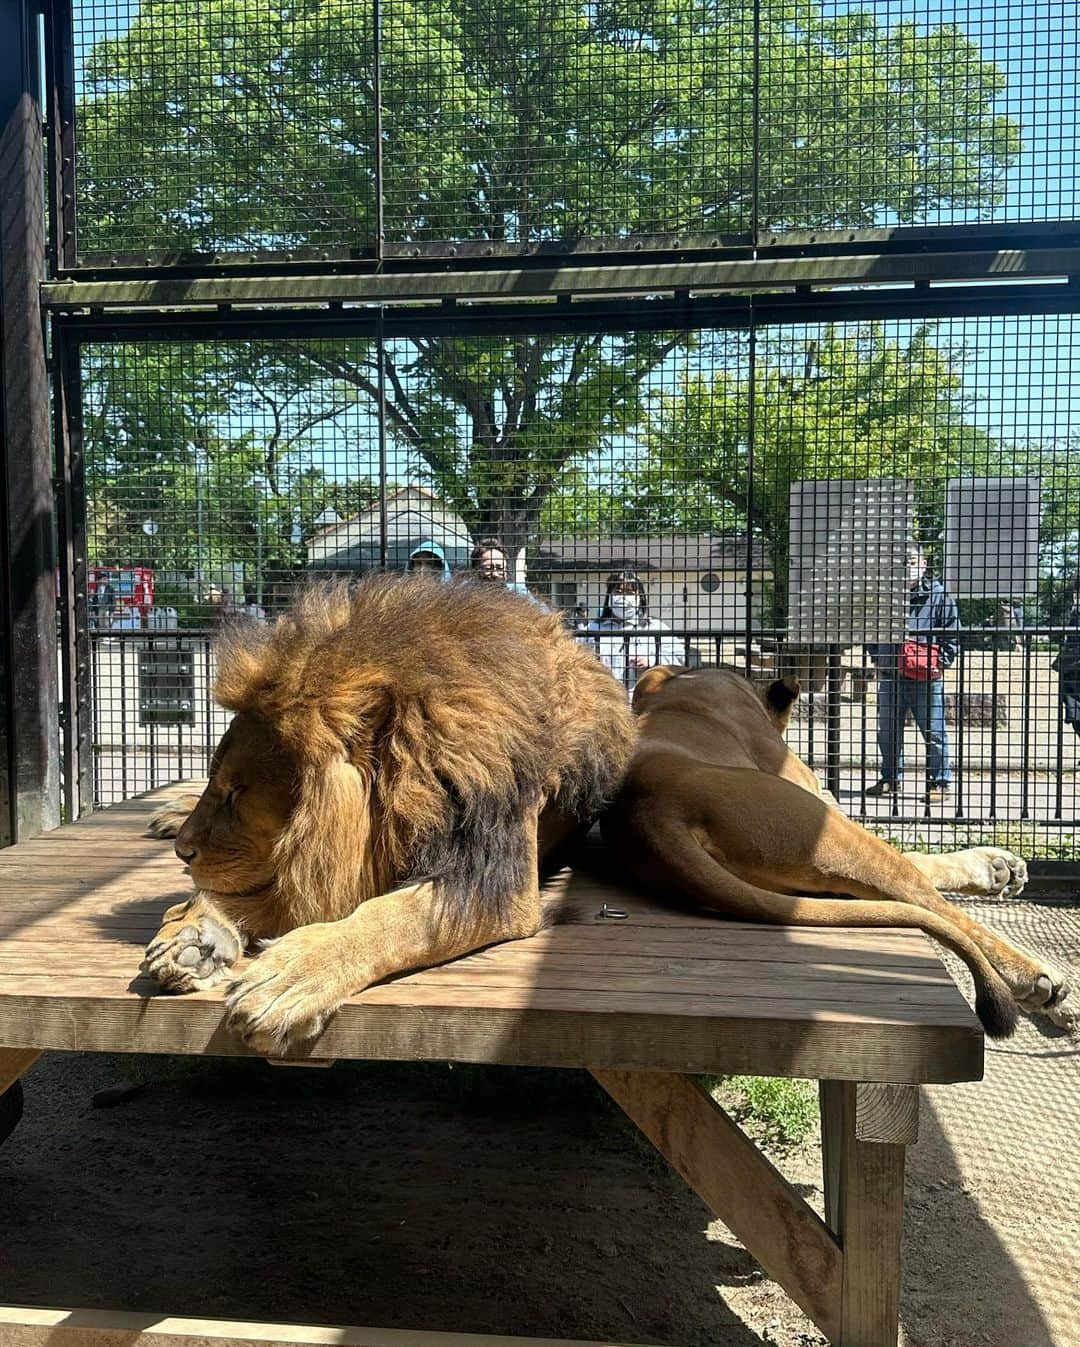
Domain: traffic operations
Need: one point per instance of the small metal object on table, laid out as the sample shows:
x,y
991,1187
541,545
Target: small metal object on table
x,y
646,1002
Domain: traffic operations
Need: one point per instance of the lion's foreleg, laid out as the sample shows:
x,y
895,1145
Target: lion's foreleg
x,y
292,989
170,817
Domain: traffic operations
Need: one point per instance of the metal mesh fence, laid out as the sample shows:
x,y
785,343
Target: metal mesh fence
x,y
229,128
867,506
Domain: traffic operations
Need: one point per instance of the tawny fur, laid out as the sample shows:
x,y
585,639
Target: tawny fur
x,y
396,733
717,809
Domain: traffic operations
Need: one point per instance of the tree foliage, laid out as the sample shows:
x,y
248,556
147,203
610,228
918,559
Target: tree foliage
x,y
835,404
231,125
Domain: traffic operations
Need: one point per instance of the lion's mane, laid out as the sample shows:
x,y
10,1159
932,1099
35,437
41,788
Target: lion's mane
x,y
428,721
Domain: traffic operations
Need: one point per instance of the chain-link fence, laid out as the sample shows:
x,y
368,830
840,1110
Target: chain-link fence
x,y
307,130
866,506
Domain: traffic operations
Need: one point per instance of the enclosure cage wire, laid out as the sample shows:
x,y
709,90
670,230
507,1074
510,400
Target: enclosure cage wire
x,y
224,129
256,465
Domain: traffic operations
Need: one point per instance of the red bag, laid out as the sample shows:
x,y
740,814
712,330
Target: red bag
x,y
920,661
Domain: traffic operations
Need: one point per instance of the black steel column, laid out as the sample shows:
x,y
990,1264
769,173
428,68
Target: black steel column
x,y
834,677
29,726
75,660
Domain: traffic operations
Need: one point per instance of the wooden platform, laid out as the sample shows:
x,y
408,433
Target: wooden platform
x,y
645,1003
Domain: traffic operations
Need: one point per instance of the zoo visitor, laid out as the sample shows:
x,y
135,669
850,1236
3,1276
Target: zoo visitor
x,y
911,677
1067,664
624,620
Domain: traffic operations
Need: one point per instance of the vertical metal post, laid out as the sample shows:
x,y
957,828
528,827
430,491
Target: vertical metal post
x,y
993,724
380,221
755,132
384,524
833,679
1025,751
751,408
30,722
75,658
60,119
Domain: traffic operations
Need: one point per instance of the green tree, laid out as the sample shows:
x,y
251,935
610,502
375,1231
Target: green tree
x,y
234,126
852,403
213,445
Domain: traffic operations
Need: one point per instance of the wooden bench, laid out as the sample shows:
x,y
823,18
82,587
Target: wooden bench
x,y
645,1003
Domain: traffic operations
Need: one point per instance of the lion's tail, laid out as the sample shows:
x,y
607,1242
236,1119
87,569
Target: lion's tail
x,y
708,883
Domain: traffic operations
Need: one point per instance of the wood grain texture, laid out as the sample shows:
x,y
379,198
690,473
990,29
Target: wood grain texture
x,y
666,989
15,1062
737,1182
30,1327
887,1113
865,1199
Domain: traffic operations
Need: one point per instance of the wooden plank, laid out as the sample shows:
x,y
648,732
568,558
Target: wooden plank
x,y
15,1062
24,1326
109,954
800,1006
547,1033
738,1184
866,1195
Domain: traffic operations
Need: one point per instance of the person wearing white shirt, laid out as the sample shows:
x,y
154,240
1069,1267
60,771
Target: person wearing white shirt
x,y
625,637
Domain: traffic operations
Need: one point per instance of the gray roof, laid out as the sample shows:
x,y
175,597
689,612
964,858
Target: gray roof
x,y
703,552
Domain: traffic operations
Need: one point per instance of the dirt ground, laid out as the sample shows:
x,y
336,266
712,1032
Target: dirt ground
x,y
510,1201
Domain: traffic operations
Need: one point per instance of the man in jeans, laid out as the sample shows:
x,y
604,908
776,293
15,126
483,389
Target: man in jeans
x,y
911,678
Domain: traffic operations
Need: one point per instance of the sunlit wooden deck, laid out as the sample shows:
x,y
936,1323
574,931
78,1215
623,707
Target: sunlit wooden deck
x,y
645,1003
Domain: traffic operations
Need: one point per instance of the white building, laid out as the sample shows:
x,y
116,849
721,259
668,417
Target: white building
x,y
413,515
696,583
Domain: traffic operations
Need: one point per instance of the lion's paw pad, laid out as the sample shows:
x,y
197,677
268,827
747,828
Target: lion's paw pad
x,y
1006,873
1047,997
191,955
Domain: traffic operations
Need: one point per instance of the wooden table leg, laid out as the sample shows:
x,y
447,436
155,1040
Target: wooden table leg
x,y
864,1129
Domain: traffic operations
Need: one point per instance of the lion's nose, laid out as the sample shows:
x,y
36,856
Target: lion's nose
x,y
185,855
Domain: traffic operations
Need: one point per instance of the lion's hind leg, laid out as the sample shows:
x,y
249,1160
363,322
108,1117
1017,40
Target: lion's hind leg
x,y
978,872
758,848
822,850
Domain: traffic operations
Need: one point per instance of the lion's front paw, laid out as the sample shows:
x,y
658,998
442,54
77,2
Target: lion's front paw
x,y
289,992
170,818
1006,873
192,952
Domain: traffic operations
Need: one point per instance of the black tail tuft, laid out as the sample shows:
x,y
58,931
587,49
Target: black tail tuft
x,y
996,1009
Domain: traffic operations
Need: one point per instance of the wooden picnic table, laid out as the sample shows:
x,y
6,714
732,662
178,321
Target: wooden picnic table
x,y
645,1003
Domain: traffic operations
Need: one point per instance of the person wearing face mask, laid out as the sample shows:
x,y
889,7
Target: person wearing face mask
x,y
911,677
625,645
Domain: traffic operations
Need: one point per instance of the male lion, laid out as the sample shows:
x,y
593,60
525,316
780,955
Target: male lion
x,y
717,809
403,757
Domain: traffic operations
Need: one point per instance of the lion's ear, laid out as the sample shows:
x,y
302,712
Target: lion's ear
x,y
780,697
325,855
652,680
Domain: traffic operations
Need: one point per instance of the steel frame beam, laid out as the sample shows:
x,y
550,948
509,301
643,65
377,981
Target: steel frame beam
x,y
568,281
733,312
